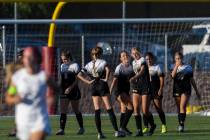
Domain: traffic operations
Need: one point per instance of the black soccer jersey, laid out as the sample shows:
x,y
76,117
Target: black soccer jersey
x,y
142,84
68,74
155,72
182,79
123,73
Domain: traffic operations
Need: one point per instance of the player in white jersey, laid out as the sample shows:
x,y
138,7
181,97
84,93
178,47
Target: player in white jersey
x,y
123,73
28,92
98,73
157,83
140,87
70,91
182,75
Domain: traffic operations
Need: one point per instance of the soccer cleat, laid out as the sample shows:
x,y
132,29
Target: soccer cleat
x,y
101,136
81,131
12,133
60,132
119,134
151,131
164,129
181,128
126,131
145,130
139,134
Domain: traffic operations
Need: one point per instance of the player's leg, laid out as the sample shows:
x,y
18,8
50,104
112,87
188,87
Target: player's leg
x,y
123,111
158,106
96,103
137,115
40,135
178,100
107,102
64,104
75,107
182,115
13,132
126,100
148,115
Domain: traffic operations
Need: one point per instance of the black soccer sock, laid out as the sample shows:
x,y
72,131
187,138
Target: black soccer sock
x,y
98,120
122,117
127,118
79,119
138,122
63,118
145,119
162,117
182,117
151,120
113,119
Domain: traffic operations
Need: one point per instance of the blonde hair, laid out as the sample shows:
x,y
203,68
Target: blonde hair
x,y
136,50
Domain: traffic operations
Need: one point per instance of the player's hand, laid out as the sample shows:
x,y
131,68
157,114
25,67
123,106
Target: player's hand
x,y
132,79
68,90
178,63
160,92
105,80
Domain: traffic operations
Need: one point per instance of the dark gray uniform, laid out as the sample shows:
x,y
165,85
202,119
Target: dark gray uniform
x,y
182,84
123,73
96,71
68,77
142,84
155,72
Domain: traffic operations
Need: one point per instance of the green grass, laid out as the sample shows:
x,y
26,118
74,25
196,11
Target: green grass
x,y
197,128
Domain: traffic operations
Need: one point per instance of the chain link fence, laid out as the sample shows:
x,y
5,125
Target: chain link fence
x,y
161,36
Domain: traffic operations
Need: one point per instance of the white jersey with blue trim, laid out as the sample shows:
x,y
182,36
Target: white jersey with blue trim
x,y
185,69
71,67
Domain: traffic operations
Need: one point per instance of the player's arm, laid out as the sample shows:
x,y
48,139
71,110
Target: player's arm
x,y
139,74
114,81
192,81
173,73
107,71
11,95
68,90
160,92
80,76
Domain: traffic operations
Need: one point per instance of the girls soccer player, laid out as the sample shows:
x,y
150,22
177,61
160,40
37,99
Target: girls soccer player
x,y
70,92
122,75
182,75
98,71
140,87
157,83
28,92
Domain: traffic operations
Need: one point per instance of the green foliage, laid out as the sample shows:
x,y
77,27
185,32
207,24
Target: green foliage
x,y
27,10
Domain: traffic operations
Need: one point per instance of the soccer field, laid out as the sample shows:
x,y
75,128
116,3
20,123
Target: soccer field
x,y
197,128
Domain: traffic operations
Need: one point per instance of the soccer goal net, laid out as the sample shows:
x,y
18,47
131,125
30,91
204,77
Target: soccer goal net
x,y
162,37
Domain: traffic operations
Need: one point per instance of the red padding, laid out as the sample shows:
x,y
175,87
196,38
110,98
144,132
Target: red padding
x,y
49,60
